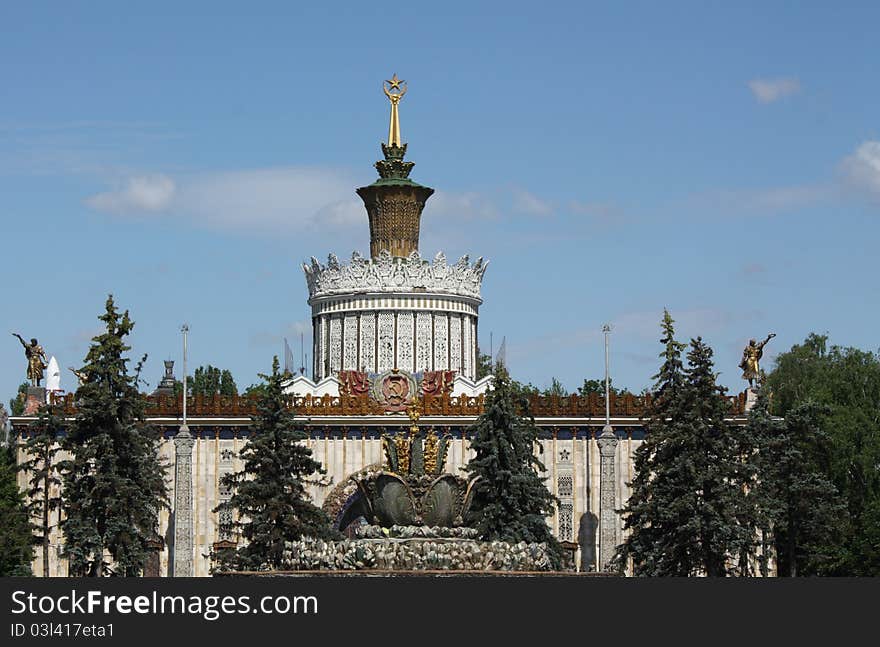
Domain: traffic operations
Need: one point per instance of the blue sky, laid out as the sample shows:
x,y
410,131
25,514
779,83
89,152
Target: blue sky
x,y
613,159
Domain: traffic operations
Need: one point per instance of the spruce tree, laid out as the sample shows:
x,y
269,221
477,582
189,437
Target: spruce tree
x,y
511,501
801,508
16,404
113,484
16,541
40,448
269,492
659,500
711,456
686,503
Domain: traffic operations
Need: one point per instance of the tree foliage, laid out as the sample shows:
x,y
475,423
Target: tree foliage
x,y
684,514
799,507
511,500
16,541
269,492
17,404
598,386
113,484
484,365
41,448
845,382
210,380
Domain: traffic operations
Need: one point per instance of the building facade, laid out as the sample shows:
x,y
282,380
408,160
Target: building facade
x,y
389,331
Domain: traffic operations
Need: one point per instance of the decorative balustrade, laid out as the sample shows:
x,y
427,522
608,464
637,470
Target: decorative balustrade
x,y
235,406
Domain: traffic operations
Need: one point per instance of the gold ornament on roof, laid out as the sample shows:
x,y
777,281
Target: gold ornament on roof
x,y
36,359
394,90
751,356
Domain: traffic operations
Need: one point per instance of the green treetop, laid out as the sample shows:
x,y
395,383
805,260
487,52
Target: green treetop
x,y
511,500
269,493
846,383
682,514
114,482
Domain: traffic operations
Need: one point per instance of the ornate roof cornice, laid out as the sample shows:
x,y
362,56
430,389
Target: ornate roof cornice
x,y
395,274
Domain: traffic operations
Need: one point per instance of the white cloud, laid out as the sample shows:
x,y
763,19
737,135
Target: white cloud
x,y
530,204
770,90
462,206
143,193
273,200
762,202
862,168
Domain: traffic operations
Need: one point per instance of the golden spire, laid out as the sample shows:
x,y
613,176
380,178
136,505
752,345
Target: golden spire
x,y
394,96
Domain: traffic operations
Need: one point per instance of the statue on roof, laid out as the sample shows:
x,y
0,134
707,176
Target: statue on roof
x,y
751,356
36,358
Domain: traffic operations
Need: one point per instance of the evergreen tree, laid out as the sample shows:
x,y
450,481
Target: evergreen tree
x,y
556,388
684,514
511,501
722,524
269,493
113,484
255,390
16,541
658,502
801,508
484,365
40,449
16,404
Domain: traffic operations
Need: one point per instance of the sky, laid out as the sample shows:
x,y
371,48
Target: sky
x,y
721,160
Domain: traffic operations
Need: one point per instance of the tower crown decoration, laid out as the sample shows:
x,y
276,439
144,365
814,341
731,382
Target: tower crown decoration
x,y
394,274
394,202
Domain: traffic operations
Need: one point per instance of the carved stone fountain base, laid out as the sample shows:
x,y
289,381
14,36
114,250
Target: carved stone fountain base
x,y
415,554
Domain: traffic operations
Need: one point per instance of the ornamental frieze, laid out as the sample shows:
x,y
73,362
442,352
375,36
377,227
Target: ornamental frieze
x,y
386,273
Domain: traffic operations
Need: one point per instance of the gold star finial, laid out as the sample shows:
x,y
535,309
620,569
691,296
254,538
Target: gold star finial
x,y
394,90
394,82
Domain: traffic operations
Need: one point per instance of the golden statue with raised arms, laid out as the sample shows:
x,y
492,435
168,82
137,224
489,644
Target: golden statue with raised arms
x,y
751,356
394,91
36,358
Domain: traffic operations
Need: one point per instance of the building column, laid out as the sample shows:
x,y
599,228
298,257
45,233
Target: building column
x,y
182,566
607,442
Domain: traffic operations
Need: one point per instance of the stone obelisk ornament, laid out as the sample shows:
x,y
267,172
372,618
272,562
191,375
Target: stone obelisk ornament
x,y
394,202
36,358
750,358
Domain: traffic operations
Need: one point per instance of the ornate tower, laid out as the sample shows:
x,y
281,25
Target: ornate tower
x,y
394,202
394,310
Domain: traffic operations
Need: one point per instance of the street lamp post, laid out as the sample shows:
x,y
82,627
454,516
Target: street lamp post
x,y
607,442
182,565
185,330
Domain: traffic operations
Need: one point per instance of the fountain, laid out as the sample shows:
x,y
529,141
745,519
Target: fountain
x,y
408,514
